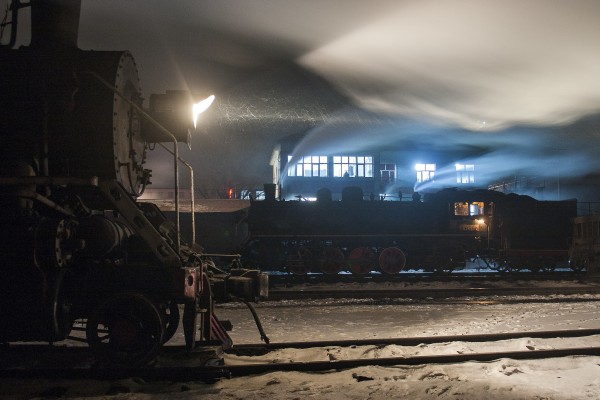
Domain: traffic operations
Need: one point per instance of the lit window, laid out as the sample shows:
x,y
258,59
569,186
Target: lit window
x,y
352,166
465,173
472,209
425,172
476,208
461,208
388,172
308,166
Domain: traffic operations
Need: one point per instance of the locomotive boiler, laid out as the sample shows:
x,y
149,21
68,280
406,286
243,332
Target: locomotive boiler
x,y
75,244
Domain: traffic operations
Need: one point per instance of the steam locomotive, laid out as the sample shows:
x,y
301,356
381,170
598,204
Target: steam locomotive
x,y
76,246
437,233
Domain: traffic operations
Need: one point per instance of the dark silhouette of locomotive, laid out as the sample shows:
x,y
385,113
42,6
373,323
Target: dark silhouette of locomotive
x,y
439,232
75,244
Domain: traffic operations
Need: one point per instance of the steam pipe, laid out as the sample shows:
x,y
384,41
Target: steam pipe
x,y
29,194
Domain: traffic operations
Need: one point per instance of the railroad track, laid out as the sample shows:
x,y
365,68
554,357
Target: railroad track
x,y
180,373
261,348
434,293
277,279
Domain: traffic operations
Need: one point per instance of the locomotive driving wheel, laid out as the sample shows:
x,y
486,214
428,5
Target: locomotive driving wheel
x,y
332,260
362,260
126,329
580,263
504,266
300,261
392,260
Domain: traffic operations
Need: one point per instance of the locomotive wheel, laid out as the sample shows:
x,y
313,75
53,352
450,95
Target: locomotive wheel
x,y
265,254
578,264
332,260
392,260
549,265
547,268
127,329
444,268
362,260
535,265
503,266
300,263
438,264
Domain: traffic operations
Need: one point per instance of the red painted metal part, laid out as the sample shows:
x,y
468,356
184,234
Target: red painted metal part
x,y
392,260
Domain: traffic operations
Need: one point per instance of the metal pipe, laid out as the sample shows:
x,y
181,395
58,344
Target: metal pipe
x,y
44,200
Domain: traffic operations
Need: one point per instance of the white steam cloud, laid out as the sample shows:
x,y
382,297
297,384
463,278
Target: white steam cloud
x,y
547,152
473,61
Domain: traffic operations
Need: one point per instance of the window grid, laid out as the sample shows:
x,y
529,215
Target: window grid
x,y
308,166
353,166
465,173
388,172
425,172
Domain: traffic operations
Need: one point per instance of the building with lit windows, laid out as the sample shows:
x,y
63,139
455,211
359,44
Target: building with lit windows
x,y
381,173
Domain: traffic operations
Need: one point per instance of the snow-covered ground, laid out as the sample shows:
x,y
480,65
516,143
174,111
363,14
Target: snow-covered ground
x,y
559,378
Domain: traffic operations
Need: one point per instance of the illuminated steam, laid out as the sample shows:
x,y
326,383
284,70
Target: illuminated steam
x,y
542,152
509,77
468,61
465,61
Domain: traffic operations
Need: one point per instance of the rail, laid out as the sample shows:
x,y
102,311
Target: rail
x,y
178,372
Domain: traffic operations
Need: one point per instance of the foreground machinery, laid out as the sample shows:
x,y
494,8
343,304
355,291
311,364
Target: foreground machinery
x,y
77,249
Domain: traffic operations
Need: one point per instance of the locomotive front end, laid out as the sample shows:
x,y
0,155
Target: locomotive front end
x,y
77,248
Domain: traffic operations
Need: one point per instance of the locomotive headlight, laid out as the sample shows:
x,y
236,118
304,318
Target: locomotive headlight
x,y
481,222
175,110
201,106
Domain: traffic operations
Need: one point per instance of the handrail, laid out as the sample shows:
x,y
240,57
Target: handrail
x,y
192,190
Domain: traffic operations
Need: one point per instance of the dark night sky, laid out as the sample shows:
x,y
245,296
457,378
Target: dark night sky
x,y
482,71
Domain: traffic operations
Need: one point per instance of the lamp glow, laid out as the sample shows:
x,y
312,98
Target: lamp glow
x,y
201,106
